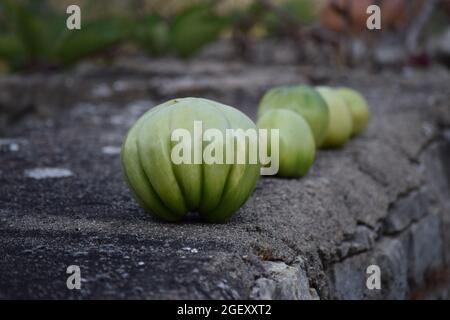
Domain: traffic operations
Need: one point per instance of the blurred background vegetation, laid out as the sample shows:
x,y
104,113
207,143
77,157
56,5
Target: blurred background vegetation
x,y
33,33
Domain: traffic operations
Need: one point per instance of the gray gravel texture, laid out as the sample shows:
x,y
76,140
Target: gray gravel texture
x,y
383,198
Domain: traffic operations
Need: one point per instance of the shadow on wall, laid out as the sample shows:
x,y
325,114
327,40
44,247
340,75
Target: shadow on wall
x,y
446,154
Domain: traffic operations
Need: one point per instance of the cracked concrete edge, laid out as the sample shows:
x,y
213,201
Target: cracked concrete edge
x,y
409,245
405,261
283,282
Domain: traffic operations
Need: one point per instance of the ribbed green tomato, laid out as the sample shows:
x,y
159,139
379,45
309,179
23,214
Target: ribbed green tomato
x,y
340,122
359,109
297,148
303,100
169,190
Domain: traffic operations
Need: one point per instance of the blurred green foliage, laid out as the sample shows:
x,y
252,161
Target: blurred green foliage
x,y
93,37
195,27
34,34
183,34
151,33
303,10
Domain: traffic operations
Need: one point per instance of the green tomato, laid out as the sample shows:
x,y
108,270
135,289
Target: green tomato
x,y
359,109
303,100
297,148
340,125
168,190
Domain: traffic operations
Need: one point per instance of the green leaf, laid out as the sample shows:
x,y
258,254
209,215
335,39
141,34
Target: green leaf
x,y
93,37
12,50
28,27
303,10
194,28
152,34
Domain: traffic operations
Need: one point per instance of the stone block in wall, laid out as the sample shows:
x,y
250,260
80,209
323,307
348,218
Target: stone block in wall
x,y
283,282
348,278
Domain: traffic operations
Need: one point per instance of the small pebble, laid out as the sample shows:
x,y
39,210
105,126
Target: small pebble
x,y
111,150
10,144
191,250
46,173
13,147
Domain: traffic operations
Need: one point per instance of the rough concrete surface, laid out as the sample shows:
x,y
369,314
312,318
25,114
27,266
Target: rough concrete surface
x,y
383,199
